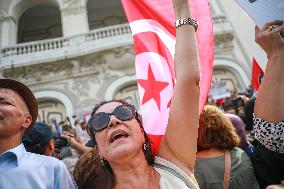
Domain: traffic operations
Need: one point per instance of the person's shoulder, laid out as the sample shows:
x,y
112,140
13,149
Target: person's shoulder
x,y
239,156
42,159
238,151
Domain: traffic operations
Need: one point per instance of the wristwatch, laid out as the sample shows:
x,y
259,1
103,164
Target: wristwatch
x,y
189,21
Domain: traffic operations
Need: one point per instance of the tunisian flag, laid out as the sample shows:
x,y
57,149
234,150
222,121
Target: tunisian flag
x,y
152,26
257,74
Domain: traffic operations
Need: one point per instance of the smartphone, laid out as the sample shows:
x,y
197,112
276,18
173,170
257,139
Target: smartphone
x,y
233,104
238,102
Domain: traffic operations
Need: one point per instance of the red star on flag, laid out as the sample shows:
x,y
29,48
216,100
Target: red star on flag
x,y
152,88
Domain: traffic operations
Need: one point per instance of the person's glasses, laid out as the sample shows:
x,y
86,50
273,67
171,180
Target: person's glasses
x,y
100,120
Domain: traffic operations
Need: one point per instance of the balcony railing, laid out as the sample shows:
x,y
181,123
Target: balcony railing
x,y
67,47
110,32
35,47
93,41
221,24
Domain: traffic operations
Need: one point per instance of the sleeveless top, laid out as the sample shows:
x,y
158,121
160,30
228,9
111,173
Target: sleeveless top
x,y
209,171
173,177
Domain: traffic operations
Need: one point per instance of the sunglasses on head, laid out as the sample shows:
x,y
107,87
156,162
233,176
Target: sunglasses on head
x,y
100,120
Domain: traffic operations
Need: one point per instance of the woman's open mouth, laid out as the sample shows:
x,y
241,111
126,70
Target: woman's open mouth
x,y
117,135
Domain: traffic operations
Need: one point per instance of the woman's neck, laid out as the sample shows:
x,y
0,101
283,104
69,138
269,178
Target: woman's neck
x,y
210,153
135,174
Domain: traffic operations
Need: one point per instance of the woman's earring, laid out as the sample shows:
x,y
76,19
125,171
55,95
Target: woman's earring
x,y
102,160
145,147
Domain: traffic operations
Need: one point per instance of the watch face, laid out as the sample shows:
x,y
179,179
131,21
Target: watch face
x,y
178,23
189,21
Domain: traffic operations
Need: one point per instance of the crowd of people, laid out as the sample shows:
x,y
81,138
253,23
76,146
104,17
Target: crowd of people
x,y
237,147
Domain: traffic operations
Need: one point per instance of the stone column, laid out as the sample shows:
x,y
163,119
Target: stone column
x,y
9,28
215,9
74,17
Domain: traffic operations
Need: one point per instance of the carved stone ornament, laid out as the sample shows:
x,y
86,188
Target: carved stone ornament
x,y
122,58
4,16
104,60
72,6
96,64
40,72
81,86
223,33
223,40
119,52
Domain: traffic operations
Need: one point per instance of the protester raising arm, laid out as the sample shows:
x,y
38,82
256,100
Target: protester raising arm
x,y
270,99
268,123
180,141
269,114
124,147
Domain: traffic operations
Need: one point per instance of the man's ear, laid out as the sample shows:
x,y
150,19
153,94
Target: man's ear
x,y
28,121
49,151
51,147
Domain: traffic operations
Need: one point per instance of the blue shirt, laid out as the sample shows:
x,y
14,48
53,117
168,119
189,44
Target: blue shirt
x,y
22,169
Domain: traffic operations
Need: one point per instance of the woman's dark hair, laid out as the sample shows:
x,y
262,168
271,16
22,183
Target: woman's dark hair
x,y
38,148
147,149
89,172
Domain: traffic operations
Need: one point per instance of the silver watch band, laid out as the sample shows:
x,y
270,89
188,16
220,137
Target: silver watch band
x,y
188,21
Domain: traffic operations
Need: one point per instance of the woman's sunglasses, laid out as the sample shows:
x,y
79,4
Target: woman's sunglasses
x,y
100,120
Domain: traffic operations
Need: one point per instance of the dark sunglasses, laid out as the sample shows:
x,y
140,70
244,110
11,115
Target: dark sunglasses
x,y
100,120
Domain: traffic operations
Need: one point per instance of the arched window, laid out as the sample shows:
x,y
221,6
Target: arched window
x,y
228,78
224,84
103,13
38,23
51,109
129,94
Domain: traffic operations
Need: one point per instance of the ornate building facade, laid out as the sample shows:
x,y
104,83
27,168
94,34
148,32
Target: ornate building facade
x,y
76,53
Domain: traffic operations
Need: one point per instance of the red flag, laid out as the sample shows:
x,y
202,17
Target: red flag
x,y
152,26
257,74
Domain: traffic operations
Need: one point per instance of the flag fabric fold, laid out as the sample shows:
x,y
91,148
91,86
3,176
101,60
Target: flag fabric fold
x,y
257,75
152,26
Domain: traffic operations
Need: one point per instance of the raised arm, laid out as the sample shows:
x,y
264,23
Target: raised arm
x,y
269,103
180,141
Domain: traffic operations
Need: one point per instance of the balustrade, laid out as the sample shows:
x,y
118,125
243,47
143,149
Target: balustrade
x,y
107,32
43,50
34,47
223,33
219,19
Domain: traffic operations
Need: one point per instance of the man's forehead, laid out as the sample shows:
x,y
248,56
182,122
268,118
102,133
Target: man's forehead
x,y
8,91
11,94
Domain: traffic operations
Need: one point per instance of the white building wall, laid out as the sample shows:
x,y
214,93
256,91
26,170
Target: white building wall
x,y
74,17
93,75
244,31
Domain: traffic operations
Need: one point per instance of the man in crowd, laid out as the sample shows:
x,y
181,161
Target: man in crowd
x,y
19,168
39,140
